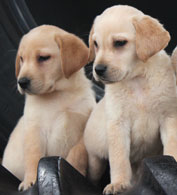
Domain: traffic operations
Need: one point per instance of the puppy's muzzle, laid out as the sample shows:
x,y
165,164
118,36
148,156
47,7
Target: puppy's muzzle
x,y
100,70
24,83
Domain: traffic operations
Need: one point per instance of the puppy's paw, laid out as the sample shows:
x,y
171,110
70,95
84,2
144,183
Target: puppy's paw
x,y
116,188
24,185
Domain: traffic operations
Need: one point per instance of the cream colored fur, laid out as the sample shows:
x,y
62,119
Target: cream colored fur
x,y
57,104
174,60
137,116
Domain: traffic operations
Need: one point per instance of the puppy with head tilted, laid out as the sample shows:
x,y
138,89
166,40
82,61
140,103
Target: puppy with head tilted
x,y
58,102
136,118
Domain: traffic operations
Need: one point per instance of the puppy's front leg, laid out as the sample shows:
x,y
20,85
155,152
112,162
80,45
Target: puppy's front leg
x,y
78,157
169,136
119,150
33,151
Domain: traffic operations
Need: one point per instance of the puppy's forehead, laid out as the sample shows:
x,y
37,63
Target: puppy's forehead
x,y
117,19
38,41
37,38
121,10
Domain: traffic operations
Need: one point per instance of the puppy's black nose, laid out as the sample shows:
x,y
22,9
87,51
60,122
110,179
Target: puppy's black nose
x,y
24,82
100,69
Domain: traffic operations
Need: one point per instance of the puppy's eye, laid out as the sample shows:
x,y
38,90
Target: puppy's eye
x,y
96,44
43,58
119,43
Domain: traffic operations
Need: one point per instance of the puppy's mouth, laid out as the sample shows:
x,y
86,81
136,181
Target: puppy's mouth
x,y
26,91
112,78
36,91
105,81
29,90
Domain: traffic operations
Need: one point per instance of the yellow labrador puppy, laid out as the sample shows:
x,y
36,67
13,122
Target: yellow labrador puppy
x,y
58,103
137,115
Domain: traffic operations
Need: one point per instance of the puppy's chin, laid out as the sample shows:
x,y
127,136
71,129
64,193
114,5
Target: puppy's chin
x,y
106,82
23,92
42,91
103,80
112,79
27,91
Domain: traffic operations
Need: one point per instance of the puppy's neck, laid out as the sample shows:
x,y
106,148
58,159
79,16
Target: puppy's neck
x,y
75,82
138,72
138,82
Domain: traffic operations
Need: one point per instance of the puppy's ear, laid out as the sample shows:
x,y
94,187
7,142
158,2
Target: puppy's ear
x,y
17,65
91,46
151,37
73,52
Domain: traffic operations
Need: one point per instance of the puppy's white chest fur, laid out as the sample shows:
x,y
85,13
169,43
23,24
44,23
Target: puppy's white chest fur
x,y
144,129
145,136
138,89
55,134
135,107
59,136
54,118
